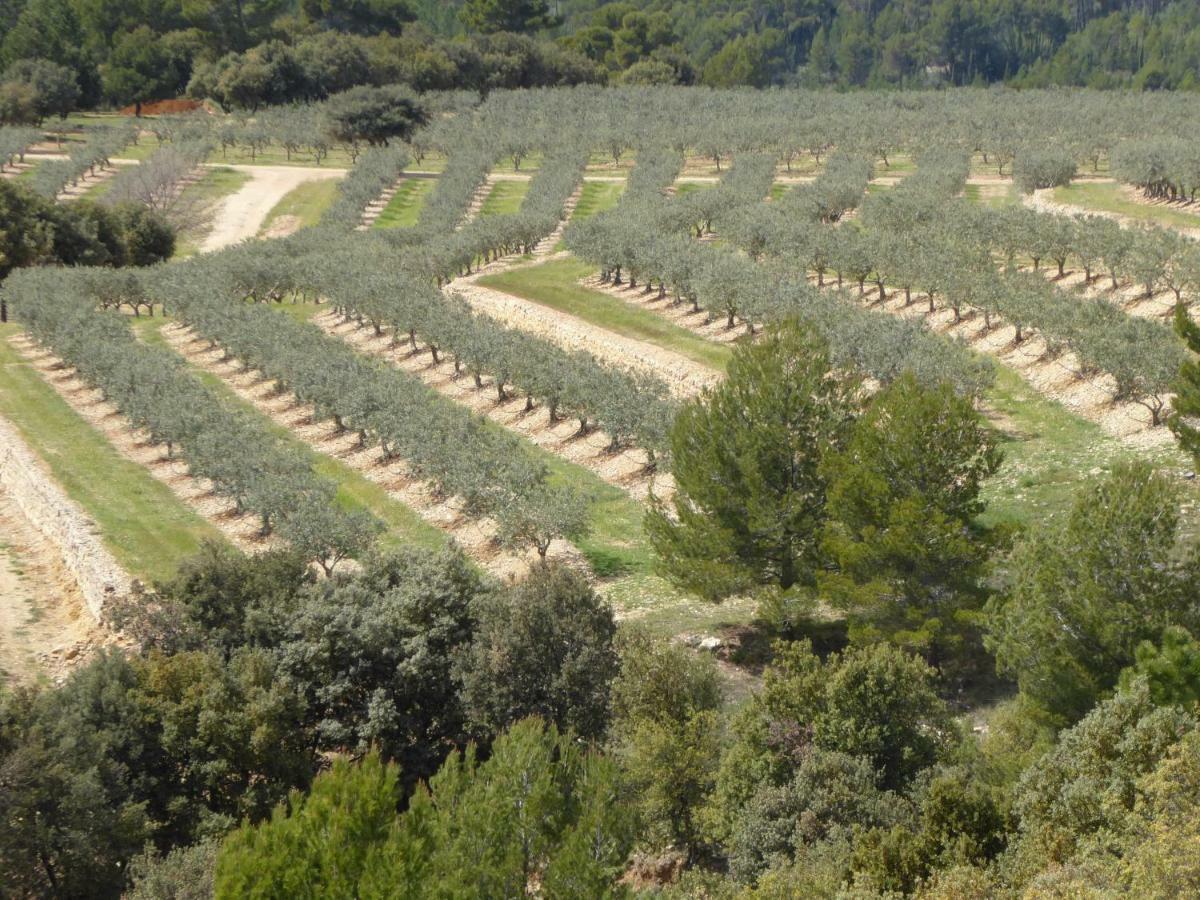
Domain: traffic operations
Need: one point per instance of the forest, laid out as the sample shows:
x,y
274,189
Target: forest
x,y
255,52
616,489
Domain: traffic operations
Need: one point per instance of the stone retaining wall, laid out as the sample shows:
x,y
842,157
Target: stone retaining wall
x,y
62,522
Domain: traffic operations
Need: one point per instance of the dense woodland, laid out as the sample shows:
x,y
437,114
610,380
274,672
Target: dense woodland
x,y
256,52
942,702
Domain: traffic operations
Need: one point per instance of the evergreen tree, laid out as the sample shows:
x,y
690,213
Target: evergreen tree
x,y
1185,418
749,503
1087,591
491,16
903,519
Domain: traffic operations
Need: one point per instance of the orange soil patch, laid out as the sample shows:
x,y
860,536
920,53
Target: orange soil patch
x,y
163,108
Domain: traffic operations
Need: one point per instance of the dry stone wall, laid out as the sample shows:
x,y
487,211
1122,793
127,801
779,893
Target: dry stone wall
x,y
99,575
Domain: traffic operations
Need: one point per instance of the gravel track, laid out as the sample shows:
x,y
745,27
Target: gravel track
x,y
239,216
683,376
48,550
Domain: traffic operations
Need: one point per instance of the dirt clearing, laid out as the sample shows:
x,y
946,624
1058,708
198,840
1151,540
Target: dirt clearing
x,y
239,216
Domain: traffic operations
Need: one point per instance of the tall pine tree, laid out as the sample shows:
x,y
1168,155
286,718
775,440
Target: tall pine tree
x,y
1185,419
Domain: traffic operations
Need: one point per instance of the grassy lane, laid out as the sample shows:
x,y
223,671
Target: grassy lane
x,y
1110,197
505,198
307,203
206,192
555,284
405,207
597,197
147,528
1049,453
404,525
993,195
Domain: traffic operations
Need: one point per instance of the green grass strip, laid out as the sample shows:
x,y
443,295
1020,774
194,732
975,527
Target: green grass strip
x,y
403,210
504,199
597,197
555,284
306,202
1109,197
146,527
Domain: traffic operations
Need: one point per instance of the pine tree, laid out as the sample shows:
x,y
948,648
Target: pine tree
x,y
1185,420
749,503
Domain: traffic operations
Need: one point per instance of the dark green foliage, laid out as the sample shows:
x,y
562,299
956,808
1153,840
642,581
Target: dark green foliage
x,y
159,748
142,66
490,16
830,795
1171,671
1086,784
1086,592
750,493
903,528
219,599
373,656
183,874
375,115
37,232
543,648
537,808
1186,405
876,703
664,736
52,86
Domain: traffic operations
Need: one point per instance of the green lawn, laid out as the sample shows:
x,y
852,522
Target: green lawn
x,y
598,196
1049,452
403,210
504,198
354,491
778,190
993,196
1110,197
555,284
683,188
307,202
145,526
215,184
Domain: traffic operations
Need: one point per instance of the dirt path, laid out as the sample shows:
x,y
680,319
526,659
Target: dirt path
x,y
683,376
45,626
1043,201
55,574
239,216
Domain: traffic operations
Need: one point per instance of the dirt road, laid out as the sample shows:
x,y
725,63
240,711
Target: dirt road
x,y
240,215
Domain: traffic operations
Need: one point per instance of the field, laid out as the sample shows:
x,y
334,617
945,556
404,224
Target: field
x,y
616,408
1055,435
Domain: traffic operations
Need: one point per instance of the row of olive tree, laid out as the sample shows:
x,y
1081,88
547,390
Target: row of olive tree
x,y
152,388
441,443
